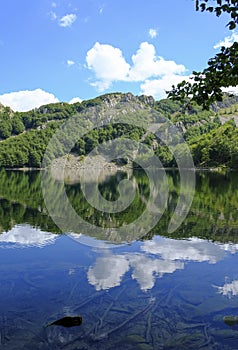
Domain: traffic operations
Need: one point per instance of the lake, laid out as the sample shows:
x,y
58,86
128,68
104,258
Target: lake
x,y
155,290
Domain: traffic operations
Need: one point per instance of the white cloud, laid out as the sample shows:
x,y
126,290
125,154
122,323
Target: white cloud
x,y
230,247
190,250
108,271
229,289
158,257
109,65
146,64
53,15
26,100
158,87
146,269
153,33
24,236
70,63
228,41
75,99
67,20
231,90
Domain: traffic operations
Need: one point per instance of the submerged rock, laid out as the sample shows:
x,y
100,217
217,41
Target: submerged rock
x,y
67,321
230,320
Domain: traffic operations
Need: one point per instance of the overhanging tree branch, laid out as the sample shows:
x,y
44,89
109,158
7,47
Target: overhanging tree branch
x,y
227,6
206,87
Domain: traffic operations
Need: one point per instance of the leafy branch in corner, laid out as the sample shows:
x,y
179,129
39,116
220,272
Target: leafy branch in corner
x,y
229,6
206,87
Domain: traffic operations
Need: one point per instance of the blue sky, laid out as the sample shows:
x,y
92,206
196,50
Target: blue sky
x,y
64,50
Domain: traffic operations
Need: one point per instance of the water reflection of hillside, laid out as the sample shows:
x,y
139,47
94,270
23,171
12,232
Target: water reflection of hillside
x,y
213,215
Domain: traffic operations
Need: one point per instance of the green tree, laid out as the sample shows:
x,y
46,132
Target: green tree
x,y
17,126
34,158
206,87
5,129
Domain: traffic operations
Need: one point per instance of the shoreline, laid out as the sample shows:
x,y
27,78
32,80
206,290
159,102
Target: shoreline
x,y
76,165
126,167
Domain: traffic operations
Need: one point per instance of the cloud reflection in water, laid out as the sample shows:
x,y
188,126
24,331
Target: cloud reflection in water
x,y
23,236
157,257
229,289
108,271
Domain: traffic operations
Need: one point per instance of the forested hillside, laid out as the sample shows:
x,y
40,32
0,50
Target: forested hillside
x,y
211,135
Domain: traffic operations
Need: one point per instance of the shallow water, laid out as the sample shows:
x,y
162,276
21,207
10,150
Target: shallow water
x,y
159,292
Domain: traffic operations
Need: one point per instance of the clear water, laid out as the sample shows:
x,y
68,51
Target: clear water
x,y
159,292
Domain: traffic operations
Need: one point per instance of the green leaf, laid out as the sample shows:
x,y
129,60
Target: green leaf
x,y
218,11
231,25
210,9
197,5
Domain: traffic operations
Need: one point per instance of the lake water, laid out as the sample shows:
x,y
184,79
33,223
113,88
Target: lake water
x,y
162,291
